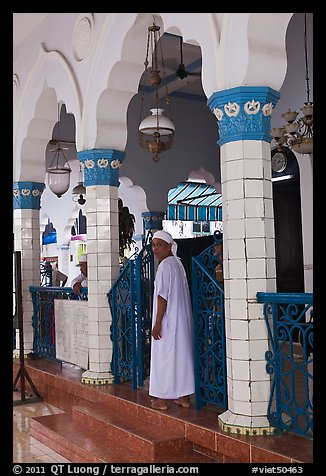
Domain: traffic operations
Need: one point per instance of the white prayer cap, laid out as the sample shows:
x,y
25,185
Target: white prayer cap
x,y
83,259
165,236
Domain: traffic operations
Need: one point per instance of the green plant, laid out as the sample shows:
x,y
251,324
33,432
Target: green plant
x,y
126,228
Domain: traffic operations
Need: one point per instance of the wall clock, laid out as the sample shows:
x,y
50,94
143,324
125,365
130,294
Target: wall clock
x,y
279,162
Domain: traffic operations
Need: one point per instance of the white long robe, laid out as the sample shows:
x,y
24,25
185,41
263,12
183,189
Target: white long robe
x,y
172,356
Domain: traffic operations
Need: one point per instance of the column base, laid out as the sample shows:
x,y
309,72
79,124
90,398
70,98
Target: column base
x,y
97,378
246,425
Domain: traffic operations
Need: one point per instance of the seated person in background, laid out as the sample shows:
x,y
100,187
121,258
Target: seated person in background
x,y
81,280
59,279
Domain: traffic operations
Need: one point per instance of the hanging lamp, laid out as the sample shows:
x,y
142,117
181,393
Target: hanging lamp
x,y
79,191
59,170
297,134
157,130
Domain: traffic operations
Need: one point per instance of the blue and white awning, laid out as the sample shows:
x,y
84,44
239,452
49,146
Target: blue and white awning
x,y
194,201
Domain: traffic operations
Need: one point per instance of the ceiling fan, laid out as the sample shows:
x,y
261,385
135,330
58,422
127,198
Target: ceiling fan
x,y
181,71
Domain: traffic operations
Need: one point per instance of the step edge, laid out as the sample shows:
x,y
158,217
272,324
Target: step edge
x,y
168,434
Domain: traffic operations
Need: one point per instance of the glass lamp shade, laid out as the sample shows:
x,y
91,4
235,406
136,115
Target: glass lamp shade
x,y
157,122
59,180
303,146
79,193
79,189
278,132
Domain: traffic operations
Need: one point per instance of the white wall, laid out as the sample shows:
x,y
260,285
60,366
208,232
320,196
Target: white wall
x,y
183,229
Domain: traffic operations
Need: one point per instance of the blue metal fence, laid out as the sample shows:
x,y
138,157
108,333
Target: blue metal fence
x,y
209,328
130,300
43,320
122,301
289,320
144,299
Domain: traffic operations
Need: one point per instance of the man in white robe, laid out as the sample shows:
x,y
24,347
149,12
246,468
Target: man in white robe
x,y
172,354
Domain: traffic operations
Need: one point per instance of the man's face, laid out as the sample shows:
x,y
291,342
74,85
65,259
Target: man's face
x,y
161,248
83,268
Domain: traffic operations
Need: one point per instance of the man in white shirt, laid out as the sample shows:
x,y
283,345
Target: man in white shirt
x,y
81,280
172,353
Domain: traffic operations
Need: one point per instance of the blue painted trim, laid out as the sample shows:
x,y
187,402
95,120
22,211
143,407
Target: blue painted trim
x,y
101,166
152,220
298,298
244,113
27,195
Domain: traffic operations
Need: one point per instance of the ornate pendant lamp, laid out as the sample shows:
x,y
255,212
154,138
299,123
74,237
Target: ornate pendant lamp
x,y
155,131
79,192
59,170
297,134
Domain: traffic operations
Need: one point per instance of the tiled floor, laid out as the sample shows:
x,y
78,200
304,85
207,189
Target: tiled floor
x,y
27,449
62,387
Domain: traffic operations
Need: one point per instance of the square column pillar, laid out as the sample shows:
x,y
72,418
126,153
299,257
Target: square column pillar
x,y
243,115
249,266
26,204
103,269
101,179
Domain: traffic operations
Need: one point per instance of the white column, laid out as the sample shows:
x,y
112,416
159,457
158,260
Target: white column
x,y
26,224
249,267
243,115
101,179
63,253
103,269
306,192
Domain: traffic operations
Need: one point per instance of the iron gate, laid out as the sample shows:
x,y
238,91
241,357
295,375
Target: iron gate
x,y
209,328
130,300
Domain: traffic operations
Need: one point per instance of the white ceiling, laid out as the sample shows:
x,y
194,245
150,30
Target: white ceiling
x,y
24,24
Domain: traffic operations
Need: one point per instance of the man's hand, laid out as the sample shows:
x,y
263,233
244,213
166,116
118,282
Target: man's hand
x,y
76,288
161,308
156,331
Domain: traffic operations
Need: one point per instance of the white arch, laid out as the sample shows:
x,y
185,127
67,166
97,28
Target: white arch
x,y
50,78
235,47
236,50
133,197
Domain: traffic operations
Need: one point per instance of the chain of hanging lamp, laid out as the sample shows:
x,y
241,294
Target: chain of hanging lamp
x,y
156,131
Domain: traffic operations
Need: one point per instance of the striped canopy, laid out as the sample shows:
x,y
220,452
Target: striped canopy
x,y
194,201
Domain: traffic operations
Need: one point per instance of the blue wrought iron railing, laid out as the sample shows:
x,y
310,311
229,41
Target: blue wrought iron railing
x,y
130,300
144,300
122,304
289,320
209,328
43,320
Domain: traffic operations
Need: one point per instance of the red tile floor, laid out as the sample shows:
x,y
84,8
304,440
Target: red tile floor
x,y
26,448
64,394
